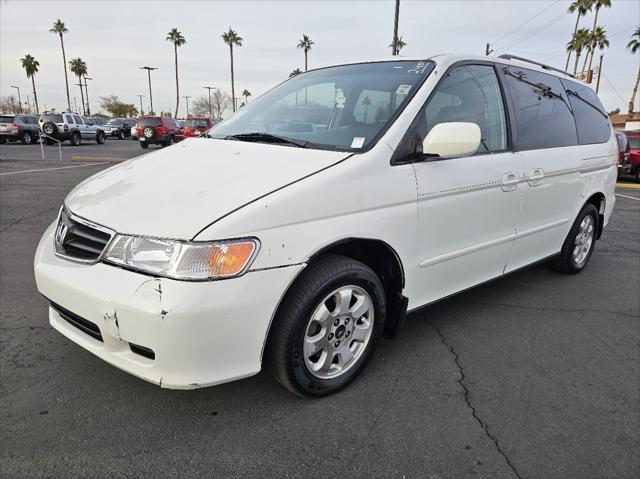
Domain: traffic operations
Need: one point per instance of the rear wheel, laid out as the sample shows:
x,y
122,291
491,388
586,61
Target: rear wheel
x,y
327,327
144,145
49,128
100,138
121,135
26,138
75,138
2,141
578,246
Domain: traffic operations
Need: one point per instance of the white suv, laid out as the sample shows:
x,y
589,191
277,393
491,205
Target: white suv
x,y
302,229
65,126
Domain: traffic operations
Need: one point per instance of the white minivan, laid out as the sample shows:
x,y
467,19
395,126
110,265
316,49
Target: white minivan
x,y
305,227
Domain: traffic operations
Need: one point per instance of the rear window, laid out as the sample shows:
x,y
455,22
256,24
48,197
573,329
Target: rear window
x,y
543,116
204,123
150,122
6,119
54,117
634,142
591,118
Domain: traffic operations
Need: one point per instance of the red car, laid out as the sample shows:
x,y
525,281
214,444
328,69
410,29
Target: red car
x,y
196,126
157,130
632,164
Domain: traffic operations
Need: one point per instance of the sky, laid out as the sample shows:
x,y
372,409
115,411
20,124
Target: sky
x,y
116,37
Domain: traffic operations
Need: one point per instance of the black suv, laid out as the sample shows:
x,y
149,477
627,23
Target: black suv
x,y
118,127
19,127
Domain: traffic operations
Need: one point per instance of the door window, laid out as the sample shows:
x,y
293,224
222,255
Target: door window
x,y
471,93
592,120
78,120
543,116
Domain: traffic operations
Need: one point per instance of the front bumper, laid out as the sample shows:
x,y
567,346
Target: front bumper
x,y
202,333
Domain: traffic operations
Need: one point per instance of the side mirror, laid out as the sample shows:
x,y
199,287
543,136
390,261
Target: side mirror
x,y
448,140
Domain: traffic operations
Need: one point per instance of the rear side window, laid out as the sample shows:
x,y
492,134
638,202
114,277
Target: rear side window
x,y
543,115
592,120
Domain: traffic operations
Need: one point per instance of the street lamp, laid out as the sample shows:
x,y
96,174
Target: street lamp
x,y
187,100
209,88
86,90
149,74
141,96
19,100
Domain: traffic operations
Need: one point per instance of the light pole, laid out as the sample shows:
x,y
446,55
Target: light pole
x,y
395,29
19,100
141,96
86,90
209,88
187,100
84,112
149,74
28,104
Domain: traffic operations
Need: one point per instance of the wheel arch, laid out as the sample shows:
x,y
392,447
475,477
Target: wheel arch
x,y
600,202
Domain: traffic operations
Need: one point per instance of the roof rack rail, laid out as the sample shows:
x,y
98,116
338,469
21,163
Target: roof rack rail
x,y
508,56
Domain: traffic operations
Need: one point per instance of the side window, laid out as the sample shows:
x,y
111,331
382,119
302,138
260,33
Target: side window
x,y
68,119
592,120
471,93
543,115
78,120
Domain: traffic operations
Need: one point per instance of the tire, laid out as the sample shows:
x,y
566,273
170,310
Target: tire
x,y
26,138
144,145
2,141
578,246
50,128
120,135
100,138
148,132
75,138
290,355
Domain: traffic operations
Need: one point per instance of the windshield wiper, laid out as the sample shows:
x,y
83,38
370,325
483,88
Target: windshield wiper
x,y
268,138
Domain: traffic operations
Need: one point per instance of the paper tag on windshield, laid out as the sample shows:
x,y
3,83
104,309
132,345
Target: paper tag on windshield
x,y
357,142
403,89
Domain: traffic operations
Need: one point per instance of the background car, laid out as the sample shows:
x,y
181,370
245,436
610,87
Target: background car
x,y
196,126
632,164
118,127
134,132
623,150
157,130
98,121
69,126
23,128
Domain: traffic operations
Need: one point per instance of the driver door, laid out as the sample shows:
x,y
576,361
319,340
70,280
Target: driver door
x,y
467,206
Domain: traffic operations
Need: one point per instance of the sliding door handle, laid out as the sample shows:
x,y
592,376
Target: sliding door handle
x,y
535,176
510,181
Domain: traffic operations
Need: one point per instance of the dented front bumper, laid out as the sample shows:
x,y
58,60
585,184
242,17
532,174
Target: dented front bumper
x,y
201,333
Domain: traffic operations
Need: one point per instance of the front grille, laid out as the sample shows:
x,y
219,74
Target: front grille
x,y
82,324
78,239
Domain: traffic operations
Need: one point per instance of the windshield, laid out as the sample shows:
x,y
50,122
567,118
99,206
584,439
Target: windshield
x,y
634,142
344,107
196,123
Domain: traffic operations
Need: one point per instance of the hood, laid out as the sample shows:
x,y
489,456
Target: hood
x,y
177,191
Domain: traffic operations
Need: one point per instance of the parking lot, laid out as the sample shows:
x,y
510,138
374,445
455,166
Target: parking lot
x,y
533,375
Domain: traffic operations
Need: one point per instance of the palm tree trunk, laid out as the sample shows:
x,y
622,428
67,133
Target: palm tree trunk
x,y
233,88
593,42
35,95
175,56
586,57
634,93
575,67
575,29
66,78
305,60
81,92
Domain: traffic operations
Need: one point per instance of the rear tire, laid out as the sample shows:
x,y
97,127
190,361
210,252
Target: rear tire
x,y
121,135
26,138
75,138
320,342
100,138
578,246
144,145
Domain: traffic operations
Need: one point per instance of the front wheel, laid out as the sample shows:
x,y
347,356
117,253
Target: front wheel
x,y
327,327
100,138
121,135
578,246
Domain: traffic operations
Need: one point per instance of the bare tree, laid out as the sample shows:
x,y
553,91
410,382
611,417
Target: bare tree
x,y
9,104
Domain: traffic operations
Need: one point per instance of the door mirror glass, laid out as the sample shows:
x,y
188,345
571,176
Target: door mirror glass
x,y
448,140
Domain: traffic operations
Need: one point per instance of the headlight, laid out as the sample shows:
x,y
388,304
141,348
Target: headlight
x,y
187,260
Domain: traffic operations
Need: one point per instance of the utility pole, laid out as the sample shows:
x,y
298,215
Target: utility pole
x,y
28,104
86,90
19,100
209,88
488,50
75,105
149,74
395,29
140,95
81,96
187,100
599,73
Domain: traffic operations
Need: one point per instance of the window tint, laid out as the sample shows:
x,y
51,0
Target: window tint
x,y
54,117
150,122
78,120
543,115
471,93
591,118
6,119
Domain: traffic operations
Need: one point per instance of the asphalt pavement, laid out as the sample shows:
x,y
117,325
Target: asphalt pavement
x,y
536,375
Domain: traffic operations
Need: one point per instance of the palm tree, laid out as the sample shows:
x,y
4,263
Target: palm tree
x,y
634,46
577,44
246,94
597,39
175,37
231,38
294,73
31,65
592,47
366,102
397,45
582,7
79,68
60,29
305,44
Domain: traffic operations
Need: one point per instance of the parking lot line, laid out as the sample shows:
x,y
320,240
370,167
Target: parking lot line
x,y
97,158
47,169
630,197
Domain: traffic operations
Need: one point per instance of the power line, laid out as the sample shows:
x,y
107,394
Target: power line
x,y
534,32
524,23
614,89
